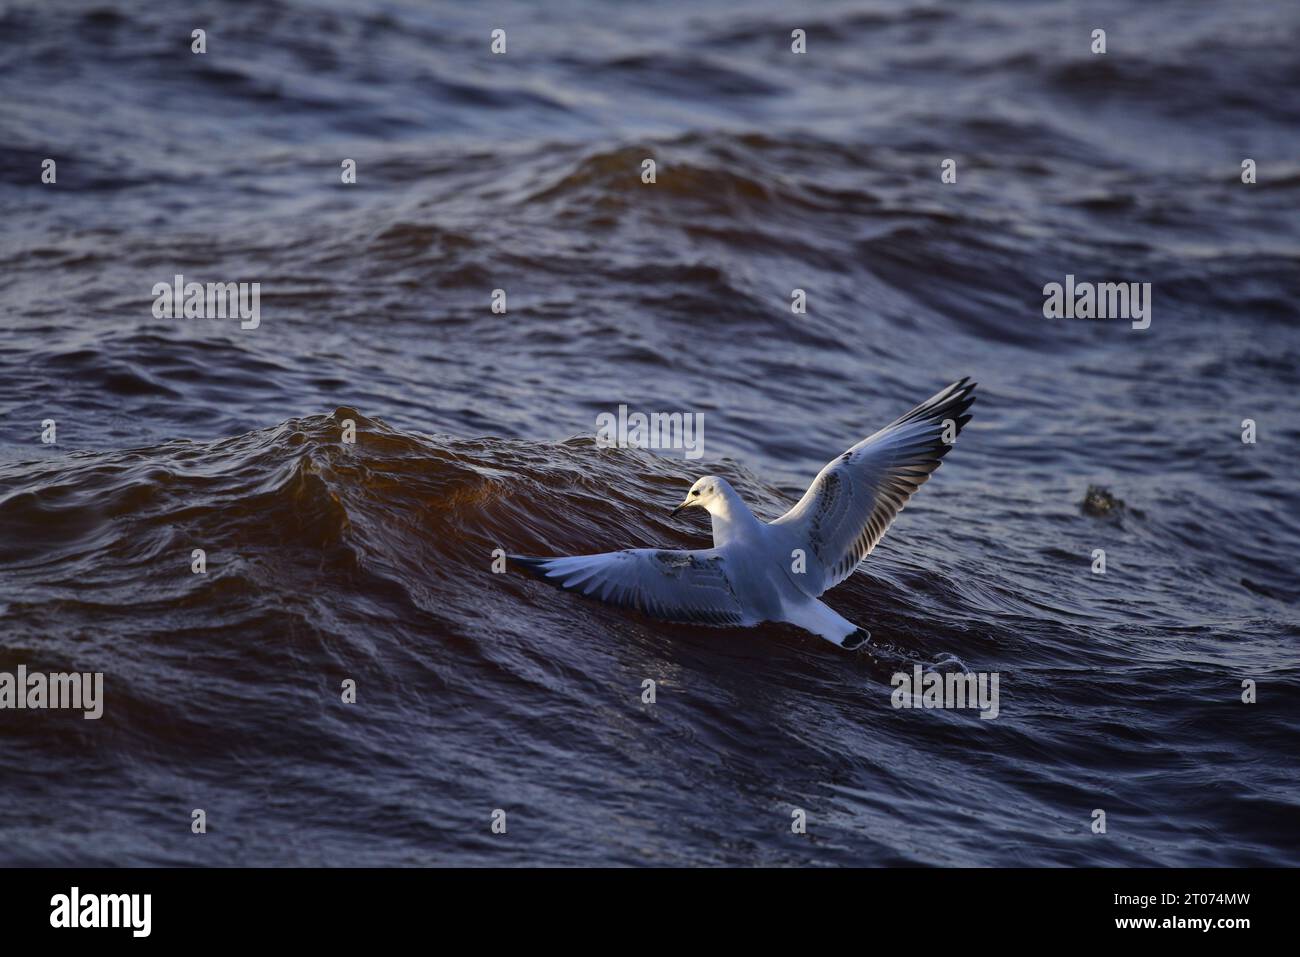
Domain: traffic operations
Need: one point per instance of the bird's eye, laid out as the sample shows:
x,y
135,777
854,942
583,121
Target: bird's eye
x,y
695,491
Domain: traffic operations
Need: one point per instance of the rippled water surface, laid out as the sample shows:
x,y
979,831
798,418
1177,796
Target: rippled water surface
x,y
372,561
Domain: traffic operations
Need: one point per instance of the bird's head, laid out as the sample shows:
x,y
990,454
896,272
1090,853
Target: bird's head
x,y
708,493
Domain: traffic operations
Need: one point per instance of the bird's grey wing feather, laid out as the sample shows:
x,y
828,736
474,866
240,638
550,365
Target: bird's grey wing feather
x,y
854,499
684,586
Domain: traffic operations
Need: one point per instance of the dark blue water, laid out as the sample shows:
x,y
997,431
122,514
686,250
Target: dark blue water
x,y
371,561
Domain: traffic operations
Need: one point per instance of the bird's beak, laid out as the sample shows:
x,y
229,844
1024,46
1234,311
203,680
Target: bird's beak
x,y
685,504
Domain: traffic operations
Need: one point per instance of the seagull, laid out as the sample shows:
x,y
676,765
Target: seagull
x,y
775,571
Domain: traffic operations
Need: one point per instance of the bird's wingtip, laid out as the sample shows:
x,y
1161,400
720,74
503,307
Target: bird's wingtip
x,y
529,563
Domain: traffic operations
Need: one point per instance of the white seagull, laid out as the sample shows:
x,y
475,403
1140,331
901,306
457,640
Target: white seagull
x,y
775,571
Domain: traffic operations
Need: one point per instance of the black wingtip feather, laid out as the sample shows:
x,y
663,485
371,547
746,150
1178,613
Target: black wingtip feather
x,y
950,403
534,566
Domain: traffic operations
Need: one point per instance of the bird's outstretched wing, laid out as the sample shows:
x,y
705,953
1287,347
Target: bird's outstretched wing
x,y
684,586
855,498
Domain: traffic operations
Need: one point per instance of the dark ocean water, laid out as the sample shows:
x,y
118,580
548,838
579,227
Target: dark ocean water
x,y
371,561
